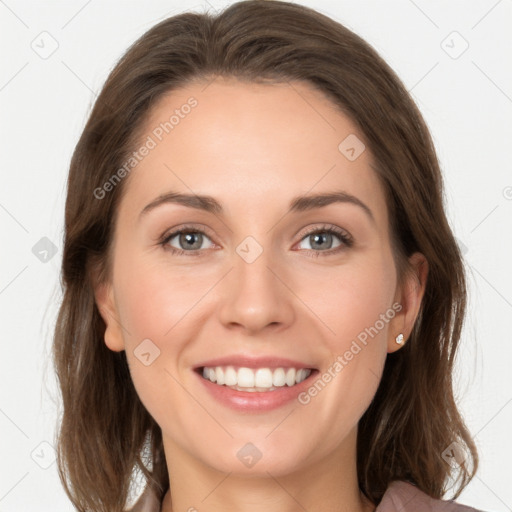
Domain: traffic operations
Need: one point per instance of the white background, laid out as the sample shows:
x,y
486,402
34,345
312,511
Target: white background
x,y
466,101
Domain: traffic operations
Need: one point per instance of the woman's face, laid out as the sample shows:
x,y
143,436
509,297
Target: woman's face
x,y
260,283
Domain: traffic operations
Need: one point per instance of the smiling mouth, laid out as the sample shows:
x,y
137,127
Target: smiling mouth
x,y
255,379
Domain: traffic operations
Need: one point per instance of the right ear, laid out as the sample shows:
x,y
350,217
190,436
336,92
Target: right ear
x,y
105,301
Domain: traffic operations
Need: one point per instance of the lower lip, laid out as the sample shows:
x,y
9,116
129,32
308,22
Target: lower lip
x,y
257,401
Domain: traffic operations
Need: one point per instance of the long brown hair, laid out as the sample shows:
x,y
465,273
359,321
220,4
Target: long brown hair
x,y
413,417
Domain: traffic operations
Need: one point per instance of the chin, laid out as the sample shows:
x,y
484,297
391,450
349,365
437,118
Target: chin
x,y
256,459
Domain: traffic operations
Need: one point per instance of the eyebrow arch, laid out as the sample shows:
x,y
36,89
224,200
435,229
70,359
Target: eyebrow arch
x,y
297,204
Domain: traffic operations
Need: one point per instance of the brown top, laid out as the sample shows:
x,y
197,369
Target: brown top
x,y
400,497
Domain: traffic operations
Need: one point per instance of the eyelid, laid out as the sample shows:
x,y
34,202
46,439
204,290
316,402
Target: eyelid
x,y
343,233
171,232
345,237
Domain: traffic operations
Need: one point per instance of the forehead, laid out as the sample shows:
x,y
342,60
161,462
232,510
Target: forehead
x,y
252,146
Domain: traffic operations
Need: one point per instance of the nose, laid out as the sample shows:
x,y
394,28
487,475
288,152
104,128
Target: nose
x,y
257,296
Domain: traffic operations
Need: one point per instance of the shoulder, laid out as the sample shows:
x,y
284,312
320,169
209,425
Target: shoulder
x,y
400,496
405,497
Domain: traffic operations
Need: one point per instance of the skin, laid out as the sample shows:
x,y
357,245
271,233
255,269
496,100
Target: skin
x,y
254,147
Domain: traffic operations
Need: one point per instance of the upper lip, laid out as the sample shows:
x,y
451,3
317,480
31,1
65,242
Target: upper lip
x,y
254,362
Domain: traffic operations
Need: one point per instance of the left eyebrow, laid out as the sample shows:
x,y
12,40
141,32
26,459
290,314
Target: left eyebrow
x,y
297,204
309,202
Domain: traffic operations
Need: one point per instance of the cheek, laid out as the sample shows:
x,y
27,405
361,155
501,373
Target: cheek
x,y
155,304
352,298
152,306
358,308
154,298
356,305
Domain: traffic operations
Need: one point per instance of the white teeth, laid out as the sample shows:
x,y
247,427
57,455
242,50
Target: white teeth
x,y
230,378
263,378
245,377
260,379
290,377
220,375
278,377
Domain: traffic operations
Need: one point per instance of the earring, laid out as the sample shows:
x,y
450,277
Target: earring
x,y
400,339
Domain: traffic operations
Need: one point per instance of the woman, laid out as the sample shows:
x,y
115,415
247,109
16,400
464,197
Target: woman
x,y
206,340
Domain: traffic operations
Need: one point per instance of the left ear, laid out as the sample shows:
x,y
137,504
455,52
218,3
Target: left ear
x,y
410,297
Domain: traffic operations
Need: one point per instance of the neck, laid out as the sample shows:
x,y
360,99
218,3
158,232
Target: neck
x,y
328,485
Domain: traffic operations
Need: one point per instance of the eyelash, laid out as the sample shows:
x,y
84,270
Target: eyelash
x,y
346,240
